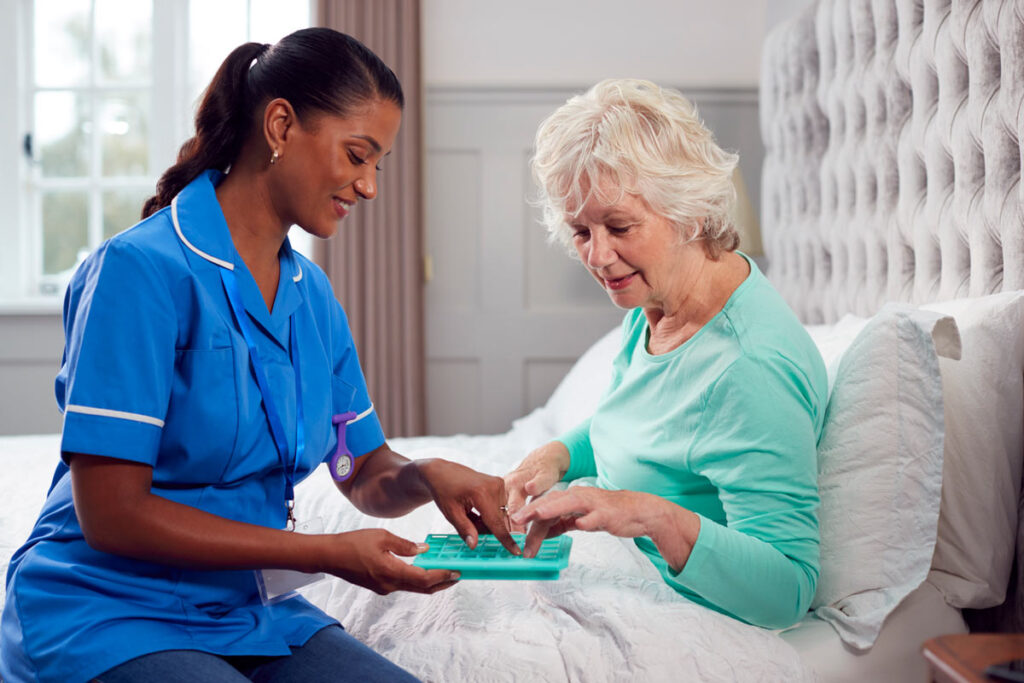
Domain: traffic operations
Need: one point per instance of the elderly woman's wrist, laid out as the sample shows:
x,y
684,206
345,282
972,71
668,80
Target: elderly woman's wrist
x,y
557,455
674,531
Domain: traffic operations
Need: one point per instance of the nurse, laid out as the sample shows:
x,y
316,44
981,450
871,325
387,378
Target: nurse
x,y
203,365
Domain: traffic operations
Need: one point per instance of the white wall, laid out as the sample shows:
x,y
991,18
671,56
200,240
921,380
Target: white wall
x,y
506,314
690,43
492,44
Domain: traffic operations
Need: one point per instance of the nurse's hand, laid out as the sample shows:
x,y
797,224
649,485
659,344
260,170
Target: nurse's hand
x,y
472,501
370,558
535,475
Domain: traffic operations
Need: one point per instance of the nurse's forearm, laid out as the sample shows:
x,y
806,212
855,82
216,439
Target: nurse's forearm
x,y
386,484
119,515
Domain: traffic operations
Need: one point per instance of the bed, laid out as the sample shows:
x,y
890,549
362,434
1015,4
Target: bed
x,y
893,224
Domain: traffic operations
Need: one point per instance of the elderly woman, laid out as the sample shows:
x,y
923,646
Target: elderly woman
x,y
703,445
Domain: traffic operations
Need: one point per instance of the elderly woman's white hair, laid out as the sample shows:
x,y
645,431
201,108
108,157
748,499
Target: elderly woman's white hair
x,y
644,140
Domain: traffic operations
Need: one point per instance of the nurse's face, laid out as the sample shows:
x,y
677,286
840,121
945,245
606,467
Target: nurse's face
x,y
333,163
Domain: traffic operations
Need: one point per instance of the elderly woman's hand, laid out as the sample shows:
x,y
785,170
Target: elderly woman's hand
x,y
472,501
537,473
629,514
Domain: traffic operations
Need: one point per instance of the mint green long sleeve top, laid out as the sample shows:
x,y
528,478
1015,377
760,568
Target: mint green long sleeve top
x,y
726,426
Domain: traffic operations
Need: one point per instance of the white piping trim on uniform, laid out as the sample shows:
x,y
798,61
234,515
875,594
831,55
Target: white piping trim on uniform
x,y
361,415
299,276
103,412
181,236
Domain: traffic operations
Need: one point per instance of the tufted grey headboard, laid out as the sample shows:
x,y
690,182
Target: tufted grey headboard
x,y
893,133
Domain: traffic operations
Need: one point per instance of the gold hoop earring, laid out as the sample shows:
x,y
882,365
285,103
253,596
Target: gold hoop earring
x,y
274,158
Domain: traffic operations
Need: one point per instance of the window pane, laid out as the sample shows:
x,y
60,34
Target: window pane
x,y
65,229
272,20
124,39
62,42
215,29
124,135
122,209
62,133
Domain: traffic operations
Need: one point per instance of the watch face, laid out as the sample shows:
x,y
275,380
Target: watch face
x,y
342,467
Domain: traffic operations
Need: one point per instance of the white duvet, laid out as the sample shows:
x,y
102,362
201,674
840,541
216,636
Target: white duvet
x,y
608,618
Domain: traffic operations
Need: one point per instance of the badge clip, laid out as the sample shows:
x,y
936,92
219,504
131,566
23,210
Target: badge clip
x,y
342,463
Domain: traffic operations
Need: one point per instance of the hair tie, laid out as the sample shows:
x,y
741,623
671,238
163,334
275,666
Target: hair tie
x,y
263,48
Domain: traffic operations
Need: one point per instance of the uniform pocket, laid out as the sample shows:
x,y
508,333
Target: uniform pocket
x,y
202,417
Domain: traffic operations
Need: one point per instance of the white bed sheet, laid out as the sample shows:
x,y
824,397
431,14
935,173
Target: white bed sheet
x,y
610,616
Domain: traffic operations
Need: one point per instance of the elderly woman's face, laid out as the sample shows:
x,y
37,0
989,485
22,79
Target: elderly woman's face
x,y
633,252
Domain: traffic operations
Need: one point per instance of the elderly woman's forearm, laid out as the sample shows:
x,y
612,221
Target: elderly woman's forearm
x,y
766,584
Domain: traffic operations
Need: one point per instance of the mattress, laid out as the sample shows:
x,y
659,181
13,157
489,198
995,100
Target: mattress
x,y
896,656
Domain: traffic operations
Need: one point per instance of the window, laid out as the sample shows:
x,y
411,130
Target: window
x,y
105,94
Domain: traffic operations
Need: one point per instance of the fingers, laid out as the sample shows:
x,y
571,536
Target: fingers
x,y
405,576
553,505
538,485
495,517
404,547
516,499
415,579
440,587
516,493
482,513
464,526
535,537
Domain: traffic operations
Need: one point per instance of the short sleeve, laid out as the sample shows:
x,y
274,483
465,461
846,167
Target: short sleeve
x,y
364,433
120,329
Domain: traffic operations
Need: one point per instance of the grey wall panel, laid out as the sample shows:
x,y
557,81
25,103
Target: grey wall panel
x,y
453,184
540,377
30,351
453,395
537,308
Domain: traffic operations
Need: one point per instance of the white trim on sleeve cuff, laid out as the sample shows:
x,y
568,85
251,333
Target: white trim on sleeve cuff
x,y
361,415
120,414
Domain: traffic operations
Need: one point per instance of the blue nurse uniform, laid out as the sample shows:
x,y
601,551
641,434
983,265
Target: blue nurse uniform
x,y
157,371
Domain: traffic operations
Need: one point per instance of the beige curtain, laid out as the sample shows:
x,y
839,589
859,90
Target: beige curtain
x,y
376,261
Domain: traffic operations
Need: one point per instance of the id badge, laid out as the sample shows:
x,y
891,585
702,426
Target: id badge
x,y
276,585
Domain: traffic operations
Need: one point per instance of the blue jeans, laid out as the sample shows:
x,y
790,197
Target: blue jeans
x,y
330,655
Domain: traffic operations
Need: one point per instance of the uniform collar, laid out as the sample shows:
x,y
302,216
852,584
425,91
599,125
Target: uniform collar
x,y
200,225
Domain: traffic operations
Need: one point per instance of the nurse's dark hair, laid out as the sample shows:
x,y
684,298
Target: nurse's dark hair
x,y
318,70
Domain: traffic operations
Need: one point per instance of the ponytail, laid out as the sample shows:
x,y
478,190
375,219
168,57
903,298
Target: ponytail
x,y
315,69
223,123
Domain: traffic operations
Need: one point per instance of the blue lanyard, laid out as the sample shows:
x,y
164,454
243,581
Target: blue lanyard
x,y
273,416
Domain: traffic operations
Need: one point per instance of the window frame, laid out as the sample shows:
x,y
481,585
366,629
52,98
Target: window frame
x,y
170,124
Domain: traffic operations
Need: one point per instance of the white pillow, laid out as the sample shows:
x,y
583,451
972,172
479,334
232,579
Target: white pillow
x,y
577,395
880,467
833,340
984,395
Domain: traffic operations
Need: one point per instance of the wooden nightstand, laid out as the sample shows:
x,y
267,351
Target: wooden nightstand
x,y
963,657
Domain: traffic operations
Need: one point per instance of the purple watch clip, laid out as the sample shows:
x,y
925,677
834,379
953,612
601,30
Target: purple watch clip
x,y
342,461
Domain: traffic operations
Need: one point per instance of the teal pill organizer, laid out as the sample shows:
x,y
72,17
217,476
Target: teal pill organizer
x,y
489,560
